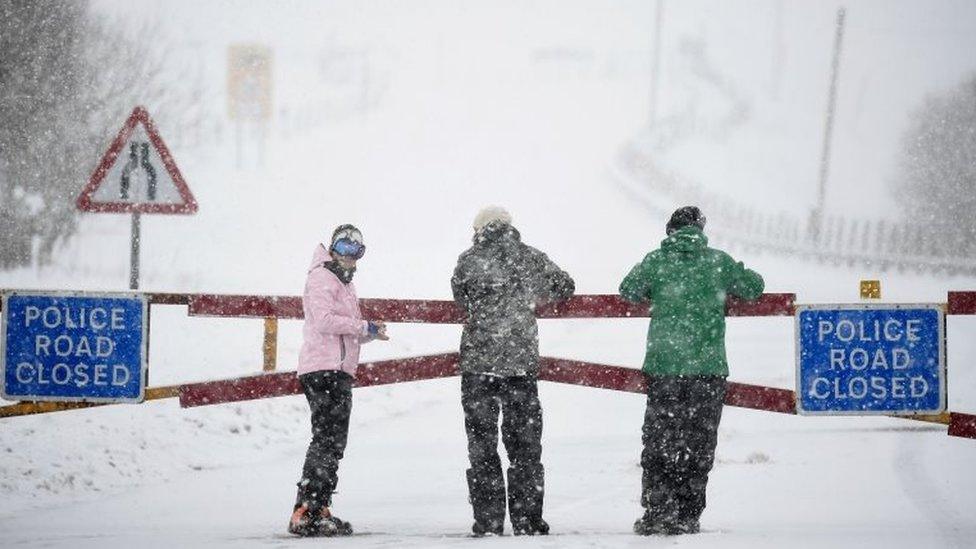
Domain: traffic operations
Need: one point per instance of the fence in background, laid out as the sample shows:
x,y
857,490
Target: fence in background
x,y
841,240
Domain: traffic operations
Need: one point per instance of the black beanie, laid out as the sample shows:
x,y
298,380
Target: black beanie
x,y
684,216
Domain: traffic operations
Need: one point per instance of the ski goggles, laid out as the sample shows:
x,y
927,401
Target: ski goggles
x,y
349,248
349,243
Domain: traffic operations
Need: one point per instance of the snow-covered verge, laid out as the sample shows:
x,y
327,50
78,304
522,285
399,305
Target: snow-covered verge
x,y
451,136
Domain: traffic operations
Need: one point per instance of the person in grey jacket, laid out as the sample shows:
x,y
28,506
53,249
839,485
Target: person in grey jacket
x,y
497,283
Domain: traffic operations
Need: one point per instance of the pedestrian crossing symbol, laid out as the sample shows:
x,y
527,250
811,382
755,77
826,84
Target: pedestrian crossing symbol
x,y
137,174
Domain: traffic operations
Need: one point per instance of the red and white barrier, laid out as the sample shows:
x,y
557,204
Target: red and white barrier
x,y
273,384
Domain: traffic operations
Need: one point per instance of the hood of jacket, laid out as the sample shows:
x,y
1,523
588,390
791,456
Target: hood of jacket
x,y
497,233
322,258
689,240
319,256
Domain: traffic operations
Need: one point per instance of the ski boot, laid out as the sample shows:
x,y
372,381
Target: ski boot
x,y
307,524
649,525
482,529
300,523
681,527
331,525
534,526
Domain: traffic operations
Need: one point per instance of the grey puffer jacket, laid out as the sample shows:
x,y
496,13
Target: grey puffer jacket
x,y
497,283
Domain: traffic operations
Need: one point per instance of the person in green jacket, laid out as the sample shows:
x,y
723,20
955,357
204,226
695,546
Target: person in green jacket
x,y
686,283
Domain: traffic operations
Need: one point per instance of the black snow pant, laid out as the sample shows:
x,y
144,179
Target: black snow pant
x,y
329,395
680,434
482,397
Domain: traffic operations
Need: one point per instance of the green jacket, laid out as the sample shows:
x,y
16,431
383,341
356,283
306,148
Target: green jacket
x,y
686,283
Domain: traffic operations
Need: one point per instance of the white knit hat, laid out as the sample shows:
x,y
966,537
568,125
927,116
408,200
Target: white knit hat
x,y
491,214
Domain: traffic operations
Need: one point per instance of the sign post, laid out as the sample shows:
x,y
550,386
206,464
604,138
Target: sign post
x,y
249,93
74,347
863,359
146,181
134,251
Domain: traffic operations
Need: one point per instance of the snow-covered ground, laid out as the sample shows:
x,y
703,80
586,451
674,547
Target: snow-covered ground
x,y
208,479
523,104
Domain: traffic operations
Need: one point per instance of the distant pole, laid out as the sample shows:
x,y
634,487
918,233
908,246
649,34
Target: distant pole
x,y
818,212
262,140
364,82
134,253
239,142
655,63
779,51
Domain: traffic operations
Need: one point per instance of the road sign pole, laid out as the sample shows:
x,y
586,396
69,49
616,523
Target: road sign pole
x,y
134,253
239,143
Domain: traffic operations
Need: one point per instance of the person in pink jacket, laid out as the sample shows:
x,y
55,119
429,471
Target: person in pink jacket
x,y
334,329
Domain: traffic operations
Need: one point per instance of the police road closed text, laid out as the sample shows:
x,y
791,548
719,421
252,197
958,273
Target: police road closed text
x,y
882,359
870,359
60,347
74,348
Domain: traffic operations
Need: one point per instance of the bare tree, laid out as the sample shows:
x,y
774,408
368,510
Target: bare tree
x,y
936,183
67,81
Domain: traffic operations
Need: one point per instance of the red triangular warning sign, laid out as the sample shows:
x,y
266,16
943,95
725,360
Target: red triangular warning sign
x,y
137,174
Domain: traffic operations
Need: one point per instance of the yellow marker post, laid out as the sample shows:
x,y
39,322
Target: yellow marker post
x,y
270,343
870,289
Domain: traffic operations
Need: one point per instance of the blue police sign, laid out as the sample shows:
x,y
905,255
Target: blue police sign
x,y
870,359
74,347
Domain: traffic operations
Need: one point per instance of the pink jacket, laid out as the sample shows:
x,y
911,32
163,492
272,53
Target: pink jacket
x,y
334,327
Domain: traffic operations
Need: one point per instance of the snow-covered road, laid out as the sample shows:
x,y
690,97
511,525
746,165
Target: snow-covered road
x,y
780,481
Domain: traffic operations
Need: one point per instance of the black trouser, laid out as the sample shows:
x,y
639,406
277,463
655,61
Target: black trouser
x,y
329,395
482,396
680,434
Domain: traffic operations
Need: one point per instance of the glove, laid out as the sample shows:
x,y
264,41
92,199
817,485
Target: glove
x,y
372,329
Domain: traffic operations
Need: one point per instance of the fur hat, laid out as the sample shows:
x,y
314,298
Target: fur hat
x,y
491,214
